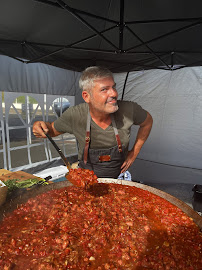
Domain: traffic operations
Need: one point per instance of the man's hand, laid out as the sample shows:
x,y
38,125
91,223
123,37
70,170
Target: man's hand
x,y
128,162
142,136
40,128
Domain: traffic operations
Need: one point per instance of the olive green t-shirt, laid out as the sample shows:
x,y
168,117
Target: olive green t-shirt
x,y
74,119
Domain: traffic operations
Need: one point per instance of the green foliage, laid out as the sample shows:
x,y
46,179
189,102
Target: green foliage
x,y
32,100
21,99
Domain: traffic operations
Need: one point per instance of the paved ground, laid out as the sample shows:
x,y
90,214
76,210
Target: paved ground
x,y
19,157
181,191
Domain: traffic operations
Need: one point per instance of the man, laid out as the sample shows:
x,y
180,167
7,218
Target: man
x,y
101,125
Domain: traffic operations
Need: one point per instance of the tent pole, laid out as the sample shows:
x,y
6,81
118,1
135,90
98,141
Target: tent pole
x,y
164,20
54,4
172,59
148,47
64,47
71,11
121,26
125,85
167,34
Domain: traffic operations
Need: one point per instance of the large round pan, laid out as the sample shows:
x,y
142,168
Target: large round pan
x,y
11,205
180,204
23,196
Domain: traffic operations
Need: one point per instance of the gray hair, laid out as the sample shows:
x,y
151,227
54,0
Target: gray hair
x,y
90,74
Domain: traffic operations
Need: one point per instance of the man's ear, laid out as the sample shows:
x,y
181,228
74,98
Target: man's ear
x,y
86,96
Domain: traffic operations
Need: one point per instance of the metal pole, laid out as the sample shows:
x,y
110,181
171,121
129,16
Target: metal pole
x,y
125,85
121,25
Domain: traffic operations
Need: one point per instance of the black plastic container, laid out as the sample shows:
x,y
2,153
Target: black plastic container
x,y
197,198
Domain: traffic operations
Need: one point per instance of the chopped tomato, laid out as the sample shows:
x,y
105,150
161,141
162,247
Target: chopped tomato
x,y
81,177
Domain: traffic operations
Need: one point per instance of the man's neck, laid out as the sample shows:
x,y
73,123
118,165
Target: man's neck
x,y
102,120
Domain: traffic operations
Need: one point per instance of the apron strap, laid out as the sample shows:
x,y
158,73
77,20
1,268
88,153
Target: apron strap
x,y
87,139
116,133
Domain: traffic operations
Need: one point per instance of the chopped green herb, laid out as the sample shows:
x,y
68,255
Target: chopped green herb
x,y
13,184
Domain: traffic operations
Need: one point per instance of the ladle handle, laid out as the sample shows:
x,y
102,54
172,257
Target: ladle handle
x,y
66,162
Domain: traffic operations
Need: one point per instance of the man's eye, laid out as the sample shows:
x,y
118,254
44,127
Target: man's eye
x,y
104,89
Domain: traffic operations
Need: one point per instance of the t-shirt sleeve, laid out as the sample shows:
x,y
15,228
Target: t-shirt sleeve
x,y
64,122
139,114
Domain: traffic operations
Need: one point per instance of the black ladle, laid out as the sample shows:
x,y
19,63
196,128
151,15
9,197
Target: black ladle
x,y
66,162
68,176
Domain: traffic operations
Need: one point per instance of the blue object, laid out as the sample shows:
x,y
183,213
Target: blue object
x,y
125,176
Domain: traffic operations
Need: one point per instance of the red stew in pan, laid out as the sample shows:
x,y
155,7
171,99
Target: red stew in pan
x,y
107,226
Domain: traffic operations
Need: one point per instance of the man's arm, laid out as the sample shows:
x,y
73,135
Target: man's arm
x,y
141,138
40,128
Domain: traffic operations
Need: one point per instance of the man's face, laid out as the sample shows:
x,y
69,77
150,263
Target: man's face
x,y
103,96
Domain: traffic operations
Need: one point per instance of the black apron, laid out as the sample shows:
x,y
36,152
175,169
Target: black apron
x,y
105,163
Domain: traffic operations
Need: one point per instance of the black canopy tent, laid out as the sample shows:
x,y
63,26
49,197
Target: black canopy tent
x,y
141,41
123,35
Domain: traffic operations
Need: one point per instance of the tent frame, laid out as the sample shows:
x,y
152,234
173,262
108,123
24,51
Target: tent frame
x,y
123,26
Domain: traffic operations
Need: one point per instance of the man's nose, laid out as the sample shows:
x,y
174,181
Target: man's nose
x,y
113,92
